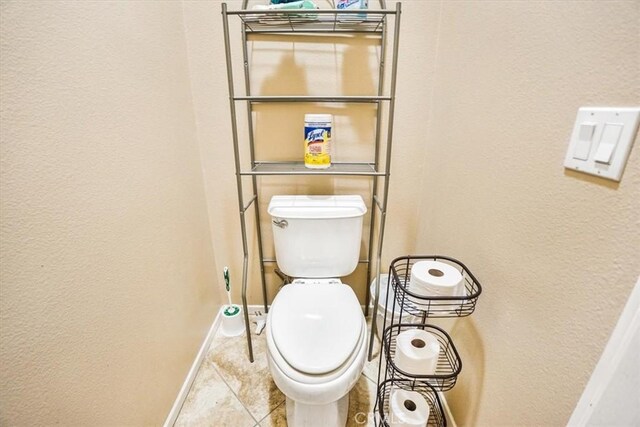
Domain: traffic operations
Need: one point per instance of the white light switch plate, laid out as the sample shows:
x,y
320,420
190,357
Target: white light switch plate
x,y
601,140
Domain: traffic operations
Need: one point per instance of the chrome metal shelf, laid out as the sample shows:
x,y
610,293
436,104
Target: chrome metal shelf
x,y
310,98
298,168
325,25
331,21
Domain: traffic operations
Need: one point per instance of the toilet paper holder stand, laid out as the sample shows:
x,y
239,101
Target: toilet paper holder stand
x,y
422,307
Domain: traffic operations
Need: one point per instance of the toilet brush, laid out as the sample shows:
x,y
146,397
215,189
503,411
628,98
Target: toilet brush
x,y
232,321
231,309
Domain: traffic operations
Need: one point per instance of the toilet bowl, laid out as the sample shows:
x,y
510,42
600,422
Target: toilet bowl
x,y
316,349
316,332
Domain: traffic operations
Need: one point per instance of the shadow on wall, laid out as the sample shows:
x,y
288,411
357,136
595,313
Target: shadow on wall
x,y
288,78
355,59
592,179
273,123
308,68
463,399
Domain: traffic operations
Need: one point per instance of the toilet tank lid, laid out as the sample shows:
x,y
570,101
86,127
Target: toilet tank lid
x,y
317,207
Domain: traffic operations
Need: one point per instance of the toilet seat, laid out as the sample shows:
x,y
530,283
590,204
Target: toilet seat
x,y
314,332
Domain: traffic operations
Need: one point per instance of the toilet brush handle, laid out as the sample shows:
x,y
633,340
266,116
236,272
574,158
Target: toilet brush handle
x,y
227,284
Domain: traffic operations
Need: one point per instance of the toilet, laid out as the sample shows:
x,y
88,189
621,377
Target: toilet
x,y
316,332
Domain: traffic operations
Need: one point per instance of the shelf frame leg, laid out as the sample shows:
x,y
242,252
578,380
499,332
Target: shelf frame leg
x,y
236,155
254,178
374,189
383,215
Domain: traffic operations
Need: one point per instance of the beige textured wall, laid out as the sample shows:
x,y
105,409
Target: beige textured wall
x,y
558,252
487,95
107,268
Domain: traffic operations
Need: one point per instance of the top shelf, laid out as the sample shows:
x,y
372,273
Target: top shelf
x,y
367,21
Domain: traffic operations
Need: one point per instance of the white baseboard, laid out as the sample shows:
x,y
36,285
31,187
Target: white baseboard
x,y
191,375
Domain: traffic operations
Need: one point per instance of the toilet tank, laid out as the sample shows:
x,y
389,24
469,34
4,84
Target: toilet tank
x,y
317,236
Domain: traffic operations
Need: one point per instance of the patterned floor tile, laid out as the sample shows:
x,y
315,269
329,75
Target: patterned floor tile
x,y
231,391
210,402
251,382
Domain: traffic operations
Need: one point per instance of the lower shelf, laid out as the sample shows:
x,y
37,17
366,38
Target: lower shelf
x,y
383,415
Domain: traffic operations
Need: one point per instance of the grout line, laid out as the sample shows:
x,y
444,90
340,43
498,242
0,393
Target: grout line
x,y
375,383
231,389
234,394
272,411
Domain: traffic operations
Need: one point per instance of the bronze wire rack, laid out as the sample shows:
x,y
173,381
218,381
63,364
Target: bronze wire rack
x,y
407,304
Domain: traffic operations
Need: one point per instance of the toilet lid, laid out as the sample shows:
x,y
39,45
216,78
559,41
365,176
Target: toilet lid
x,y
316,327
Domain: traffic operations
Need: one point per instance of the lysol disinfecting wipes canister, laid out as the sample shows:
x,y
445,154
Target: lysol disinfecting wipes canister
x,y
317,140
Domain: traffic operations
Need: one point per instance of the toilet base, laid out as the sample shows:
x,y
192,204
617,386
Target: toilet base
x,y
331,414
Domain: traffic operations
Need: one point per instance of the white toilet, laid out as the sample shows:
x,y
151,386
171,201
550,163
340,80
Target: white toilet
x,y
316,332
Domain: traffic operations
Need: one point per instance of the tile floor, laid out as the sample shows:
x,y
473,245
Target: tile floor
x,y
231,391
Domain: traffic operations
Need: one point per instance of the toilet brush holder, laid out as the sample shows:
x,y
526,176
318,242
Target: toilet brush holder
x,y
232,321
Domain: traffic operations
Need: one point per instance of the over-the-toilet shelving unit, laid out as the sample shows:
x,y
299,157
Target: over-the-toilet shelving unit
x,y
380,23
417,309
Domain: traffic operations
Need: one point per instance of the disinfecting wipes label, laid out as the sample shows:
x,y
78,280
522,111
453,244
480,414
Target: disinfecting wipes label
x,y
317,141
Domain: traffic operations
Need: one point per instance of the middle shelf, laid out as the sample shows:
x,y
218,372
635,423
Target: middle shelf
x,y
312,98
298,168
445,373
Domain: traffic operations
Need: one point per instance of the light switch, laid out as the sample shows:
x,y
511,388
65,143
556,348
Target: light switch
x,y
601,140
608,141
583,145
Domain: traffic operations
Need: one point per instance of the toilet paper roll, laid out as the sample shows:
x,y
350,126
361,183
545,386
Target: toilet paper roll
x,y
407,409
417,352
435,278
232,321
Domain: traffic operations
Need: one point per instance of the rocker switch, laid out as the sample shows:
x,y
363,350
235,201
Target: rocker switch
x,y
608,141
583,145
